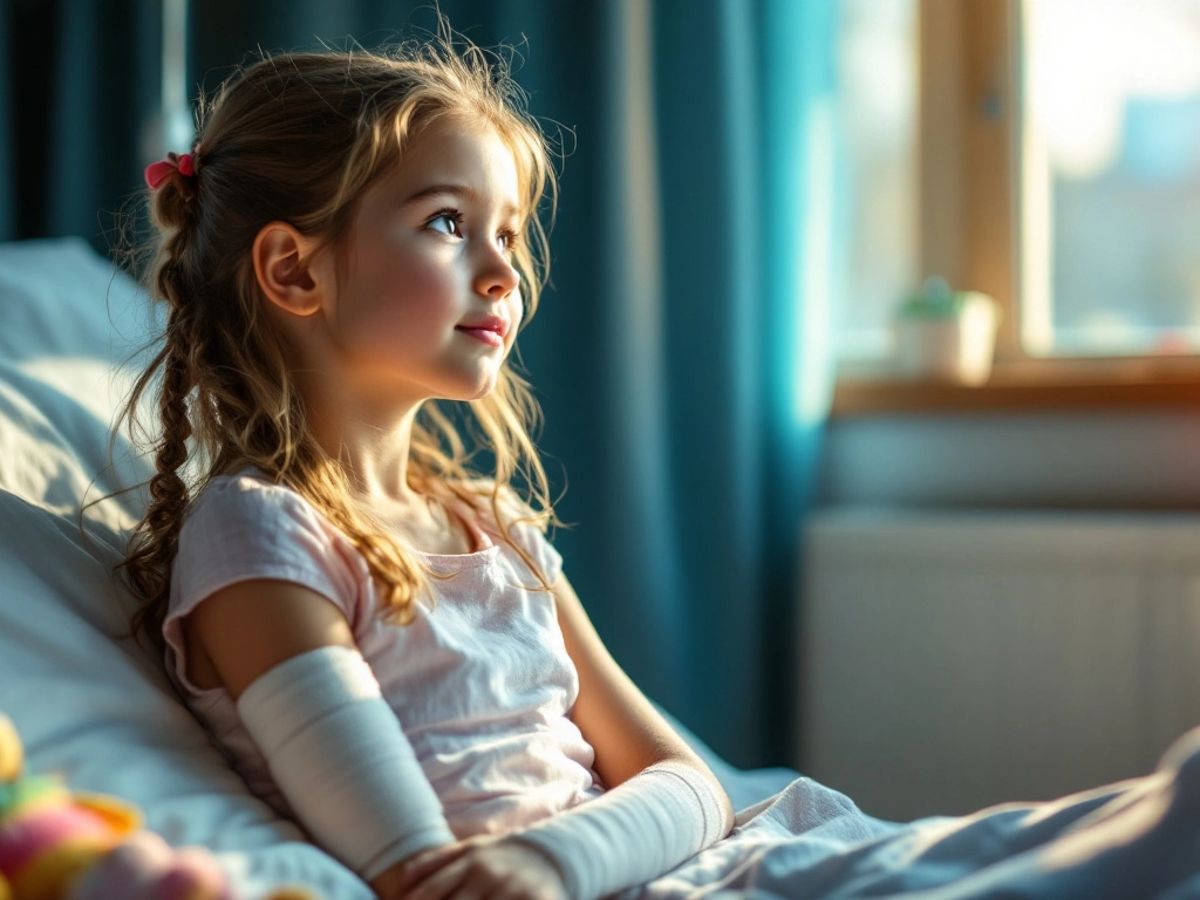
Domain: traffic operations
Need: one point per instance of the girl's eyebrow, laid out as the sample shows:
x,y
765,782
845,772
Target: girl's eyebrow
x,y
457,189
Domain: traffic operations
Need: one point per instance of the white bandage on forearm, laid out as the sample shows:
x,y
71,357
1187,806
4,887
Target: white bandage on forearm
x,y
340,757
633,833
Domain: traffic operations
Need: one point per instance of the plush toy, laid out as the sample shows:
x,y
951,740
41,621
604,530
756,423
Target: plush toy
x,y
56,844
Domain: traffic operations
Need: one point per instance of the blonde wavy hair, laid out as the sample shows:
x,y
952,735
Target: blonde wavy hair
x,y
299,136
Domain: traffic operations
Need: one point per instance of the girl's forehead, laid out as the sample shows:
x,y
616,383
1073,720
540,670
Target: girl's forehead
x,y
477,166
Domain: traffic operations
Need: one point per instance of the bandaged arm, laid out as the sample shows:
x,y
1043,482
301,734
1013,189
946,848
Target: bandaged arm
x,y
633,833
338,753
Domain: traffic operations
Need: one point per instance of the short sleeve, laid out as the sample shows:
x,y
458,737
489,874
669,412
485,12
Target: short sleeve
x,y
242,528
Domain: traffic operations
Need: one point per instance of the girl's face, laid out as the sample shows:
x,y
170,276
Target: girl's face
x,y
430,252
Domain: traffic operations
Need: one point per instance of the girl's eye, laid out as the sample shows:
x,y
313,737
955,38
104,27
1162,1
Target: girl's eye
x,y
511,238
452,215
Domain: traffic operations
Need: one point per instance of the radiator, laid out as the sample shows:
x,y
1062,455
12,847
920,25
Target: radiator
x,y
952,661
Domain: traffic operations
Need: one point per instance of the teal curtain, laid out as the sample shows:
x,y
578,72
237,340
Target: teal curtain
x,y
79,101
694,441
680,353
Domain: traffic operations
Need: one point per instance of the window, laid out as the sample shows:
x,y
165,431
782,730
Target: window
x,y
1046,152
1110,177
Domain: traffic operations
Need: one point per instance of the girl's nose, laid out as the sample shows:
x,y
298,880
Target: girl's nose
x,y
498,277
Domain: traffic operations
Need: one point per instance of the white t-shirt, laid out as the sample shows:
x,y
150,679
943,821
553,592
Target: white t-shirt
x,y
481,680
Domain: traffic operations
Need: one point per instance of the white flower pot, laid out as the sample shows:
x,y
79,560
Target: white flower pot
x,y
957,348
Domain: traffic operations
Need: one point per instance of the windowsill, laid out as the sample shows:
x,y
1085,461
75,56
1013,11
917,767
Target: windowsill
x,y
1026,385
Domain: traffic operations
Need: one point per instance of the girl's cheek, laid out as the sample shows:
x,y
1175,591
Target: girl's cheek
x,y
424,278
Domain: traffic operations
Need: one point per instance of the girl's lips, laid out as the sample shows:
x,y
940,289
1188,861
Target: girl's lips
x,y
483,334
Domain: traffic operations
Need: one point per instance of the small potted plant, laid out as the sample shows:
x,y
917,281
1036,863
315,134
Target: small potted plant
x,y
946,335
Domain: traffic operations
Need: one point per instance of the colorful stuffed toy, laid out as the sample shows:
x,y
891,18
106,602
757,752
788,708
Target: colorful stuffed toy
x,y
56,844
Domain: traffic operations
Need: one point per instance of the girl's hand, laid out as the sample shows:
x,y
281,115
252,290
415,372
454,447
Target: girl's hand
x,y
484,865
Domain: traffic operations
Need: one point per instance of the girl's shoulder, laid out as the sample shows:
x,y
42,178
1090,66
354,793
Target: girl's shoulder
x,y
480,490
524,525
245,520
245,496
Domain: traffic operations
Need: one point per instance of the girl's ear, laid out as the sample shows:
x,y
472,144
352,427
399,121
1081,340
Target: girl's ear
x,y
284,269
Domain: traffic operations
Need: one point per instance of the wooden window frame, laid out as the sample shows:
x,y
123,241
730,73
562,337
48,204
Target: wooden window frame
x,y
968,151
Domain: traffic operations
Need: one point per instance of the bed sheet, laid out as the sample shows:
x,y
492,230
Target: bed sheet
x,y
1136,839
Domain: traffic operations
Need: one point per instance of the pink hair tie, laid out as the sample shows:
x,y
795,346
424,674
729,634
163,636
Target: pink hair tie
x,y
157,171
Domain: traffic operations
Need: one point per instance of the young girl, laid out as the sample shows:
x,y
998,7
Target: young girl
x,y
380,637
